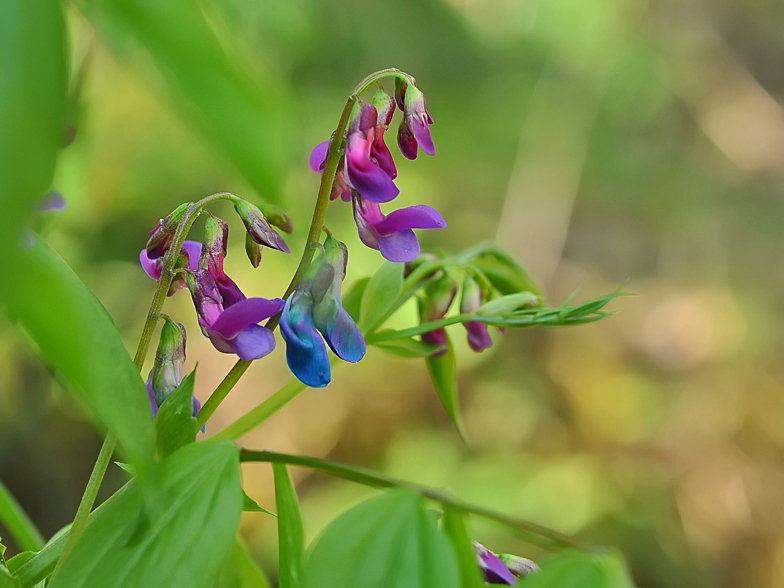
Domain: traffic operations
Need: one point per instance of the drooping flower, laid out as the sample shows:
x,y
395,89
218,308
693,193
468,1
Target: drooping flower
x,y
315,310
392,234
188,259
258,226
226,316
433,306
414,129
162,235
318,157
363,171
470,301
166,373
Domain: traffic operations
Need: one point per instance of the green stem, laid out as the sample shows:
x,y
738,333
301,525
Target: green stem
x,y
88,498
248,422
223,389
15,519
536,534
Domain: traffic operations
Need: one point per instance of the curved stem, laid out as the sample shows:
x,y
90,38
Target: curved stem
x,y
535,533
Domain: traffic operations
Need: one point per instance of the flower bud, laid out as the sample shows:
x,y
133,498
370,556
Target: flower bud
x,y
433,306
385,106
166,374
258,227
216,238
519,566
278,217
253,250
162,235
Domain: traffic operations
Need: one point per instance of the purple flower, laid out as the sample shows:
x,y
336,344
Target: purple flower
x,y
470,300
226,316
433,306
494,570
162,235
258,227
166,374
153,267
315,309
414,129
318,157
392,234
364,172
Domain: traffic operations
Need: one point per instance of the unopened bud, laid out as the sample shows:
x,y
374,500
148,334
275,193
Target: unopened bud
x,y
519,566
278,217
258,227
166,374
253,250
385,105
162,235
216,237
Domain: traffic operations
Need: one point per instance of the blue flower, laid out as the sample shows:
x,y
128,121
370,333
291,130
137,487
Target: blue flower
x,y
315,310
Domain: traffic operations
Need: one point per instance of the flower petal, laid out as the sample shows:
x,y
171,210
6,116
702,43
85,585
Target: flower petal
x,y
339,329
495,571
400,247
420,216
242,314
406,141
318,156
380,152
478,336
253,342
152,267
246,312
306,353
193,248
151,395
372,182
422,134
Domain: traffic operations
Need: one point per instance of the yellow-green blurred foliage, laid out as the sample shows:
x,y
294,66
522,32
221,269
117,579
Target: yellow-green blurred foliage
x,y
604,142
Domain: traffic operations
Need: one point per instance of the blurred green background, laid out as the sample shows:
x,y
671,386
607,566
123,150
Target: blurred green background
x,y
602,142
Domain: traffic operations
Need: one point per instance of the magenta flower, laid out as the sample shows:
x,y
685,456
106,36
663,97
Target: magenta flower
x,y
392,234
493,569
470,301
153,267
340,189
414,129
363,170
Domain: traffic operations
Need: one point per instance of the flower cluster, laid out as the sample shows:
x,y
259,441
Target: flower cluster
x,y
366,173
315,310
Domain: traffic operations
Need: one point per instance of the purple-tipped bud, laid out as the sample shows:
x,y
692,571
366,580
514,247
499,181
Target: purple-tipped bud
x,y
162,235
414,130
493,569
434,303
278,217
258,227
253,250
470,301
216,238
166,374
385,107
519,566
379,152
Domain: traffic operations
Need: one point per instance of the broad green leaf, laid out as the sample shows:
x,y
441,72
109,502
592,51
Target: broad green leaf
x,y
506,275
407,347
76,335
175,425
250,505
291,541
352,300
247,116
380,294
455,528
240,571
388,541
579,569
443,373
15,519
19,560
33,70
180,540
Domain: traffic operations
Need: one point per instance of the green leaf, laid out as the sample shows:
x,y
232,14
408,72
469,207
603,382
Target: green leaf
x,y
175,425
508,303
352,300
443,373
291,541
7,580
388,541
380,294
77,336
250,505
15,519
19,560
407,347
580,569
247,116
33,70
505,274
240,571
180,539
455,528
